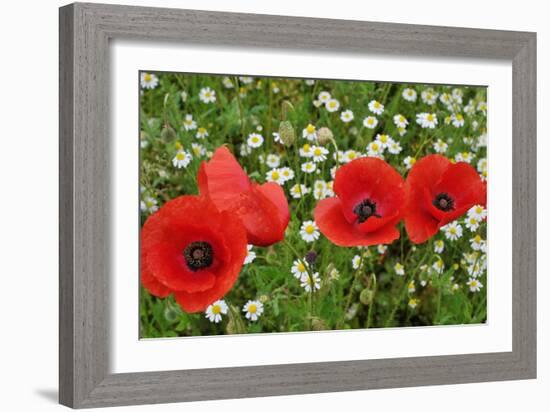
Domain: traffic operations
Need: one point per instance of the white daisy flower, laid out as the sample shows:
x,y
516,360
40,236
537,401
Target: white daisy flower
x,y
346,116
275,176
227,83
332,105
411,287
308,167
310,283
457,120
438,266
201,133
215,311
482,107
189,123
477,243
309,231
253,309
309,82
474,285
464,157
439,246
482,165
198,149
478,212
287,173
370,122
255,140
310,133
356,262
413,303
376,107
246,79
350,155
245,150
306,150
400,121
181,159
273,160
324,97
440,146
429,96
183,96
471,223
375,148
409,161
399,269
426,120
458,94
299,268
409,94
149,205
446,99
394,147
207,95
299,190
381,249
319,153
250,255
453,231
402,131
149,81
384,139
319,189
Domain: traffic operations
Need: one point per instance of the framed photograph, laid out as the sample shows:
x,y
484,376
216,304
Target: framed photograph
x,y
257,205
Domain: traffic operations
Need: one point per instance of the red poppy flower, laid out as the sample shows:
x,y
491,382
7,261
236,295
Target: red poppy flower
x,y
439,192
263,209
192,250
369,202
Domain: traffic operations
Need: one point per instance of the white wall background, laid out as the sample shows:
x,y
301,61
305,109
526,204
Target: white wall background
x,y
28,204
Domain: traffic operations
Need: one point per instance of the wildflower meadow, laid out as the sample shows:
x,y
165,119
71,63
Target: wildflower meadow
x,y
289,205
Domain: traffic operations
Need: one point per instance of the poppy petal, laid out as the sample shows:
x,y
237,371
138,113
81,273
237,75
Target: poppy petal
x,y
276,195
333,224
222,177
369,178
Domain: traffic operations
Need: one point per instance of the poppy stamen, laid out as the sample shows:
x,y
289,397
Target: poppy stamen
x,y
198,255
444,202
365,209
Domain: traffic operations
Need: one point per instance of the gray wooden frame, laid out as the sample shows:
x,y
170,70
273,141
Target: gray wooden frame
x,y
85,31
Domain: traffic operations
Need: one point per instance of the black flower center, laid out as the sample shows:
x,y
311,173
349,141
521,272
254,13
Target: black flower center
x,y
198,255
365,209
444,202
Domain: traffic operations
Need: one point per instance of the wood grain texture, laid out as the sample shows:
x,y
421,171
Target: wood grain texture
x,y
85,31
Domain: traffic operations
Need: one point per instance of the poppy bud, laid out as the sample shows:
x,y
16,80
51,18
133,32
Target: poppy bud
x,y
318,324
168,134
171,314
325,136
287,133
311,257
366,296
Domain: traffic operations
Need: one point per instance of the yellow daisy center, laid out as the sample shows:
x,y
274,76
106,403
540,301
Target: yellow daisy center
x,y
147,77
252,308
310,229
310,128
216,309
